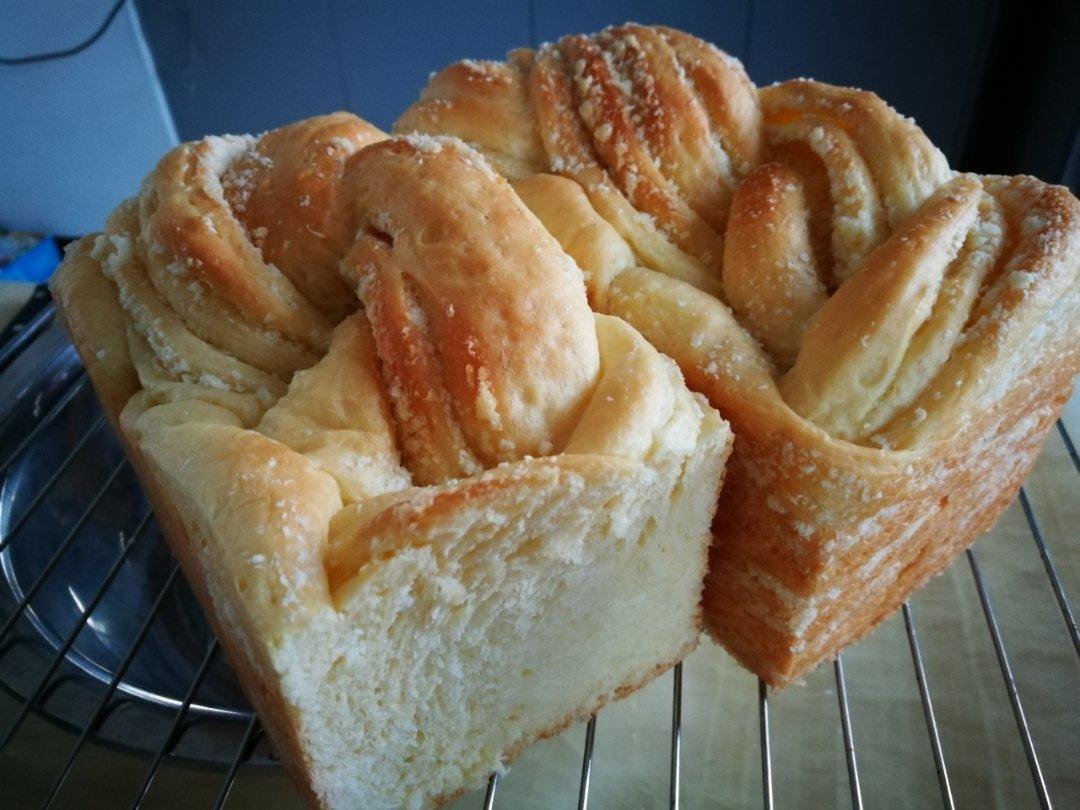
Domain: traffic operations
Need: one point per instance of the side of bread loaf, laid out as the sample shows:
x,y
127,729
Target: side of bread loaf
x,y
400,640
782,610
890,339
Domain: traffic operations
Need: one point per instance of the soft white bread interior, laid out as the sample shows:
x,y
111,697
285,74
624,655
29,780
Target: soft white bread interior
x,y
415,575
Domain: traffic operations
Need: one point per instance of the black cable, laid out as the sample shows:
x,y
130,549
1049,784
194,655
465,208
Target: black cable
x,y
82,46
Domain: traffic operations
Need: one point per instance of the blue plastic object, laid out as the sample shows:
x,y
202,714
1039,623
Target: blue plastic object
x,y
23,260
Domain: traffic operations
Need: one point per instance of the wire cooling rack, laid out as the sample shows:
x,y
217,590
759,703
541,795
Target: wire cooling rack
x,y
106,660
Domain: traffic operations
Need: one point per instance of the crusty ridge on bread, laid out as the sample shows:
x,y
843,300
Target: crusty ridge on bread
x,y
430,525
891,340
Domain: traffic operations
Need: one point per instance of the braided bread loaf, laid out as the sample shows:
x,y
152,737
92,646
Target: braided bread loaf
x,y
890,340
434,507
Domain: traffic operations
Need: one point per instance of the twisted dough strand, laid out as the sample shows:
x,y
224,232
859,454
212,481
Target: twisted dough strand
x,y
461,304
770,277
186,356
488,103
286,190
726,93
852,254
476,346
846,363
1033,231
934,341
675,125
606,104
906,167
569,147
191,232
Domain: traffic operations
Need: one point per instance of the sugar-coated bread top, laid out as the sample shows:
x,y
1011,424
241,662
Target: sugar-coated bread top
x,y
858,284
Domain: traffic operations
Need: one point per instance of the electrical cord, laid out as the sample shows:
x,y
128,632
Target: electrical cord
x,y
63,54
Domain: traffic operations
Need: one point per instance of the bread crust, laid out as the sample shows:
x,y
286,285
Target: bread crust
x,y
288,499
256,679
951,494
890,339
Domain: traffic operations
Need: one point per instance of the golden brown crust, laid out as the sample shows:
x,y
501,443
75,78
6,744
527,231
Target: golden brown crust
x,y
191,233
572,153
288,194
296,482
860,336
894,332
608,112
489,103
673,121
727,94
485,337
917,515
769,277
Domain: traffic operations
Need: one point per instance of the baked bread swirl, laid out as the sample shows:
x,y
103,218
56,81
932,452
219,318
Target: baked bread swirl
x,y
891,340
434,507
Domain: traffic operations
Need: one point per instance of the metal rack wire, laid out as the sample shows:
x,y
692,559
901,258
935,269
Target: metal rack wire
x,y
67,385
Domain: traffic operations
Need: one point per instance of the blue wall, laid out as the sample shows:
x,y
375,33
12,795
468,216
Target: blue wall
x,y
76,135
249,65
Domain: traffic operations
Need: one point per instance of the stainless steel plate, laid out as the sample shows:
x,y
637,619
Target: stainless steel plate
x,y
62,533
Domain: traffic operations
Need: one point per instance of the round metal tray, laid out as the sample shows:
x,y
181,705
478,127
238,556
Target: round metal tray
x,y
62,536
964,698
